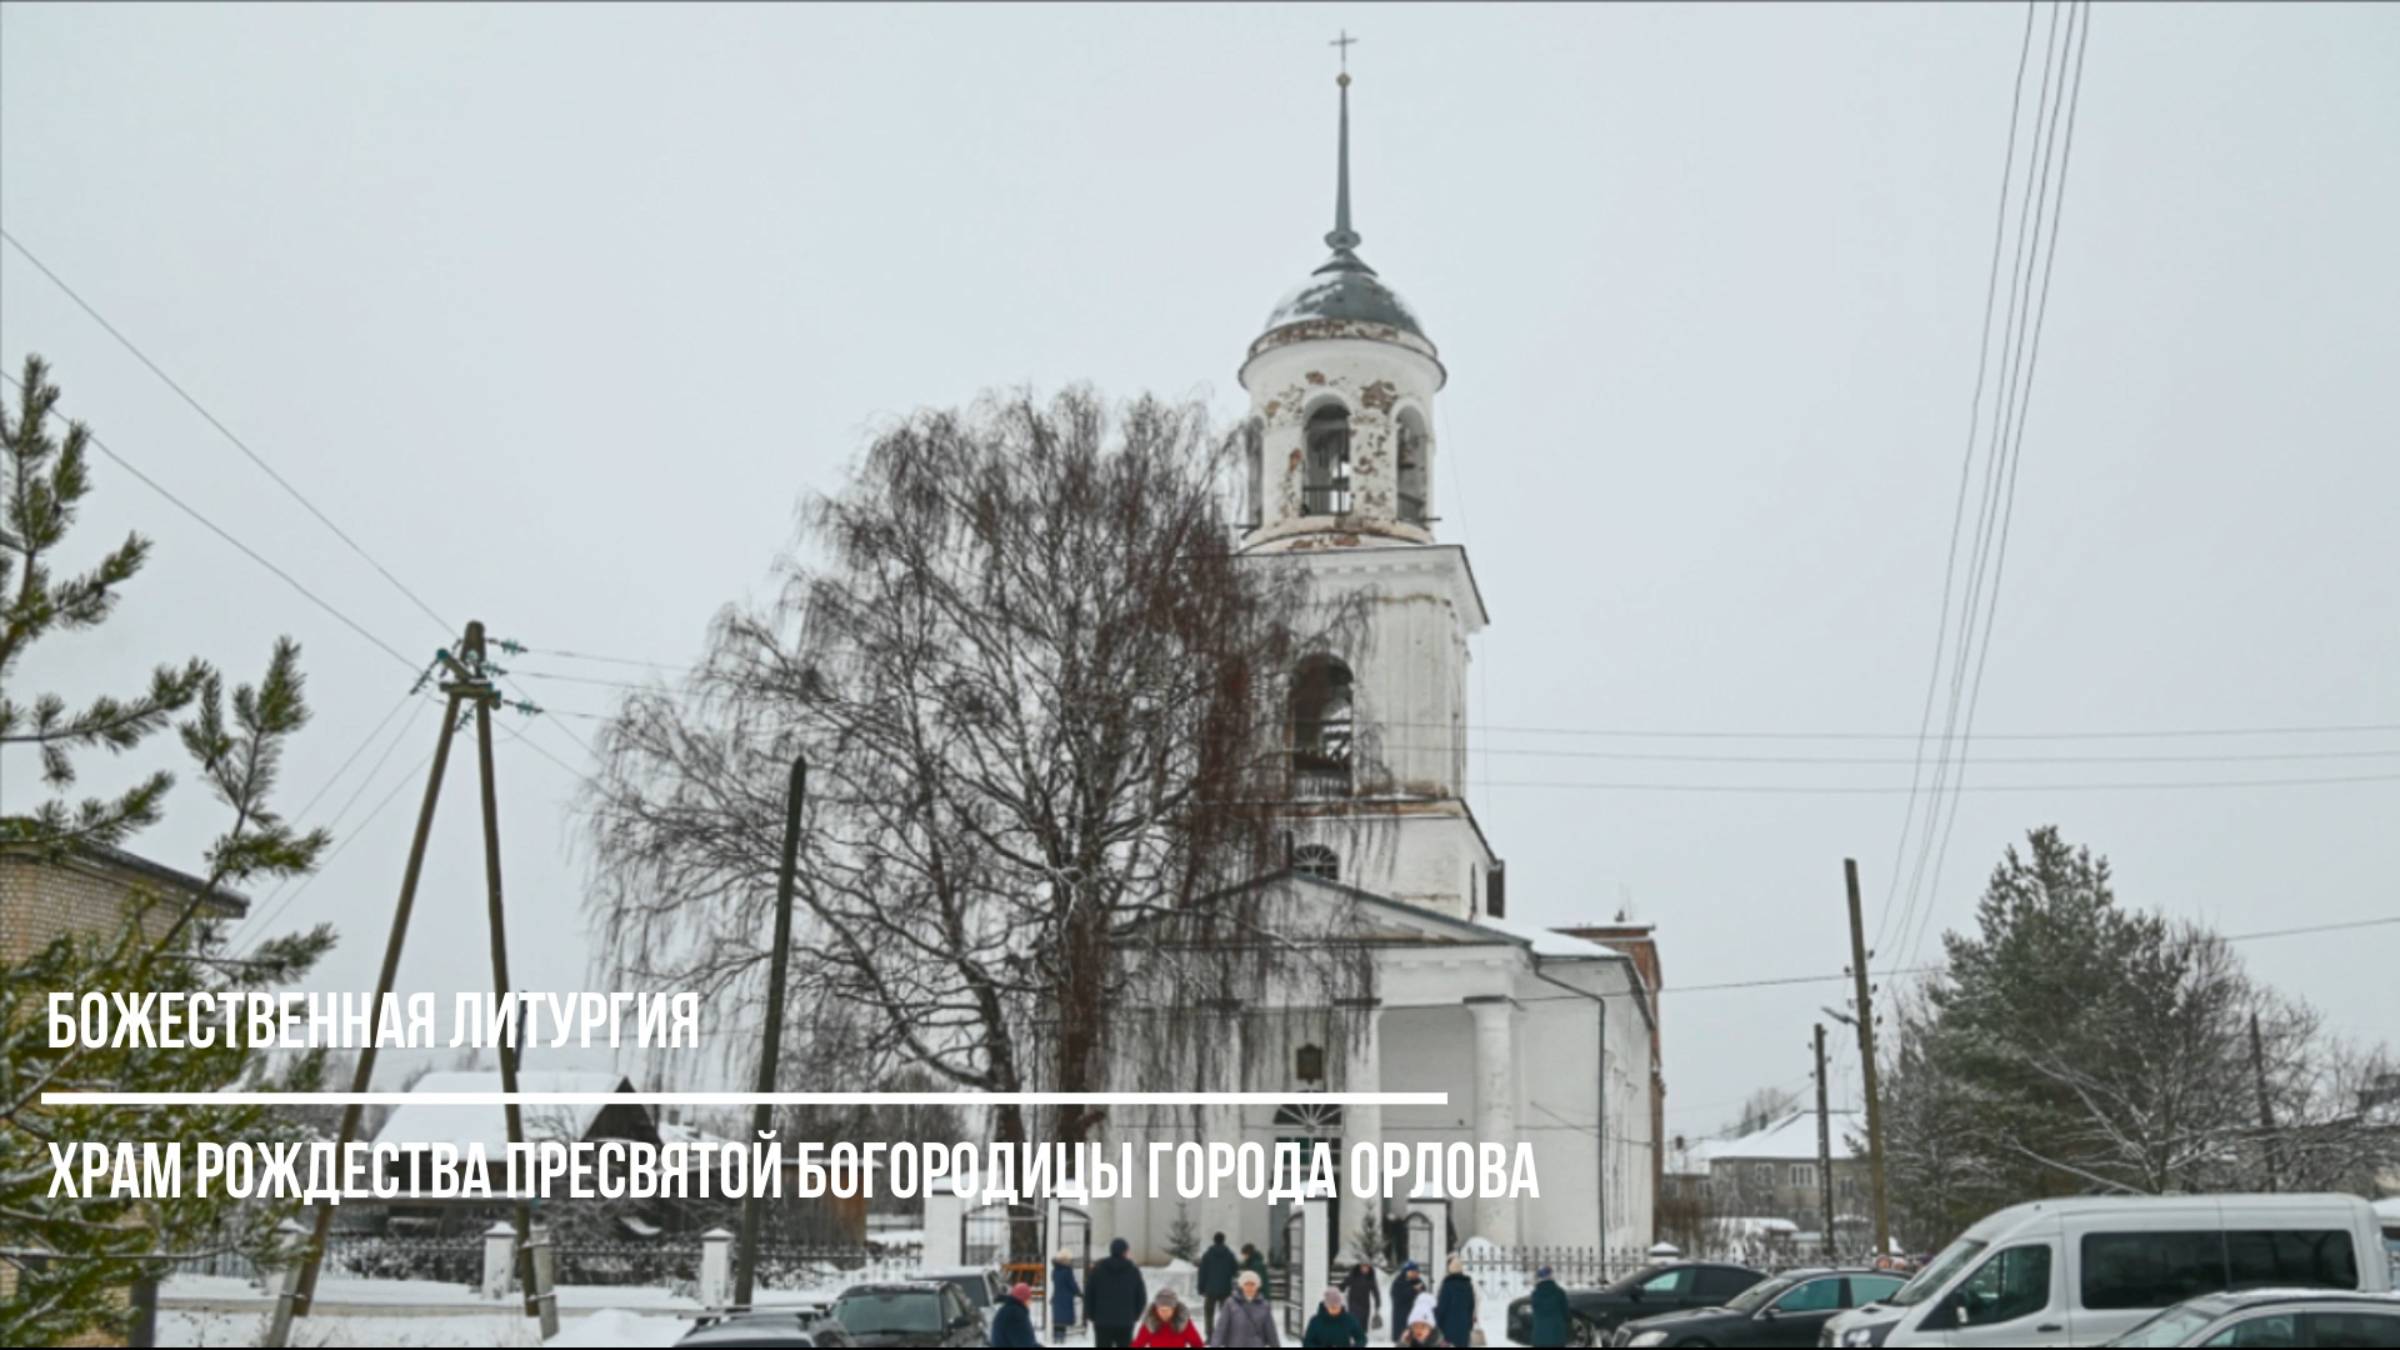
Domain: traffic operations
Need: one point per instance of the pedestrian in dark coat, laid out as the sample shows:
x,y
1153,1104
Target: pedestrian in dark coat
x,y
1248,1320
1362,1294
1217,1267
1012,1325
1549,1310
1454,1306
1407,1287
1331,1326
1421,1329
1114,1295
1257,1265
1064,1291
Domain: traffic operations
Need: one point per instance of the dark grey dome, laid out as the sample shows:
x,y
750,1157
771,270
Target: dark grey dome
x,y
1346,289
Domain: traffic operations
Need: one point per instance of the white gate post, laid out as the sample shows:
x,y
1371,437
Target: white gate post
x,y
499,1259
716,1269
945,1238
1316,1254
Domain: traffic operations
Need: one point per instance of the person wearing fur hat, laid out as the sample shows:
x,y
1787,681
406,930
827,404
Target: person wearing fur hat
x,y
1168,1322
1249,1320
1012,1325
1064,1290
1331,1325
1421,1329
1550,1310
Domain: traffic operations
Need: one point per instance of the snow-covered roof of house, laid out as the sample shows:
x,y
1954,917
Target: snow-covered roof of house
x,y
1791,1139
440,1123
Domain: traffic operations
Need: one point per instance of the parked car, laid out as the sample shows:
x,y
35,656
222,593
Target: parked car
x,y
2278,1317
1664,1288
982,1285
1789,1309
2080,1271
760,1329
908,1312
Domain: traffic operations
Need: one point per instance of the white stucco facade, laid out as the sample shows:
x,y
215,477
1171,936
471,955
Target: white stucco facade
x,y
1538,1039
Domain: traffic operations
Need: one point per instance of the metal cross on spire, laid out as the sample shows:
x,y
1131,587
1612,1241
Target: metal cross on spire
x,y
1343,238
1345,42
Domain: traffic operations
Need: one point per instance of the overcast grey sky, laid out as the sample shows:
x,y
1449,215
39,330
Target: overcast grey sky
x,y
560,309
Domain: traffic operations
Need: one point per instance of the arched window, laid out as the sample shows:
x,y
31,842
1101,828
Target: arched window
x,y
1321,726
1416,465
1326,490
1316,860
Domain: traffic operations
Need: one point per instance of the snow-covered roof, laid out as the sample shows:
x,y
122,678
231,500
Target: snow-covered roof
x,y
1546,943
432,1123
1791,1139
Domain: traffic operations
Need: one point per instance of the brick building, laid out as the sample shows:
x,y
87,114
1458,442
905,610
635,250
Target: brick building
x,y
93,891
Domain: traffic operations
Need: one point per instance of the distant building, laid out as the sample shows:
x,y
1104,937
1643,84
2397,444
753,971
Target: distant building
x,y
93,892
1720,1186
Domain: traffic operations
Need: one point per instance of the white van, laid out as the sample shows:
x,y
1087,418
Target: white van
x,y
2081,1271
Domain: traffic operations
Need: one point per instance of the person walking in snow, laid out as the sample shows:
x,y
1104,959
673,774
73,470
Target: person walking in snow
x,y
1331,1326
1421,1329
1362,1295
1407,1287
1257,1265
1549,1310
1454,1307
1012,1325
1169,1323
1064,1291
1249,1320
1218,1265
1114,1295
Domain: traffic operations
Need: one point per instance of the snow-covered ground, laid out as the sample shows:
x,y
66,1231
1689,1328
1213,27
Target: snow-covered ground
x,y
202,1310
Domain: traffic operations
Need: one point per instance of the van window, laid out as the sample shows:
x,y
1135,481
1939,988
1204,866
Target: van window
x,y
1929,1281
2014,1284
2151,1270
2318,1259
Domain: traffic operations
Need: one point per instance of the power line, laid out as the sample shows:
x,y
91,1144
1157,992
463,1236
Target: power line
x,y
268,916
253,554
2024,408
223,430
1958,511
1634,733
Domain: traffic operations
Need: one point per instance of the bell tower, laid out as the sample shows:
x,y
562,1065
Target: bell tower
x,y
1341,452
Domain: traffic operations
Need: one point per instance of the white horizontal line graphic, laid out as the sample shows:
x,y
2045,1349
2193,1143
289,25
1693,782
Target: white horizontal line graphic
x,y
746,1098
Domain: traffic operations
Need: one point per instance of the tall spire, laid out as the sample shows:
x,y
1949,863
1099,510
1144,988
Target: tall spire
x,y
1343,239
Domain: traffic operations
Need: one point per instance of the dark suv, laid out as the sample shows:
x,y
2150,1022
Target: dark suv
x,y
1790,1309
907,1312
1668,1287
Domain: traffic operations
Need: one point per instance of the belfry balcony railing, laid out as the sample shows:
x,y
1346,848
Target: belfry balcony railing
x,y
1326,499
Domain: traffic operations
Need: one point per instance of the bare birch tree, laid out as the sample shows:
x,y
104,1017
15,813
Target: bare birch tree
x,y
1043,702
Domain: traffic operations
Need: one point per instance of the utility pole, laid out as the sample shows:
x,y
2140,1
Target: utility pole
x,y
779,961
2266,1106
467,681
1866,1056
1824,1150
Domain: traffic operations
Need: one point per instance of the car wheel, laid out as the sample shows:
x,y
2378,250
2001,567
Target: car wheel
x,y
1581,1332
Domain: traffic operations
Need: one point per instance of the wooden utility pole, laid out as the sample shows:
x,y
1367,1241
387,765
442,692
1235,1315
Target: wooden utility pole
x,y
2266,1106
1866,1056
779,961
1824,1150
468,681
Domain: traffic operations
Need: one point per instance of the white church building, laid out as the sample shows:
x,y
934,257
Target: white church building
x,y
1538,1036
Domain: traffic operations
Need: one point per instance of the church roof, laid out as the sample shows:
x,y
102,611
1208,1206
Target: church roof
x,y
1344,288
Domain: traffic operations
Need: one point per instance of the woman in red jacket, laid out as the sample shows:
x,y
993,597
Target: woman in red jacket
x,y
1168,1322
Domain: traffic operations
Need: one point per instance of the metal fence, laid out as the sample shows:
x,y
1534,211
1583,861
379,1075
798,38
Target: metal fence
x,y
1587,1266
